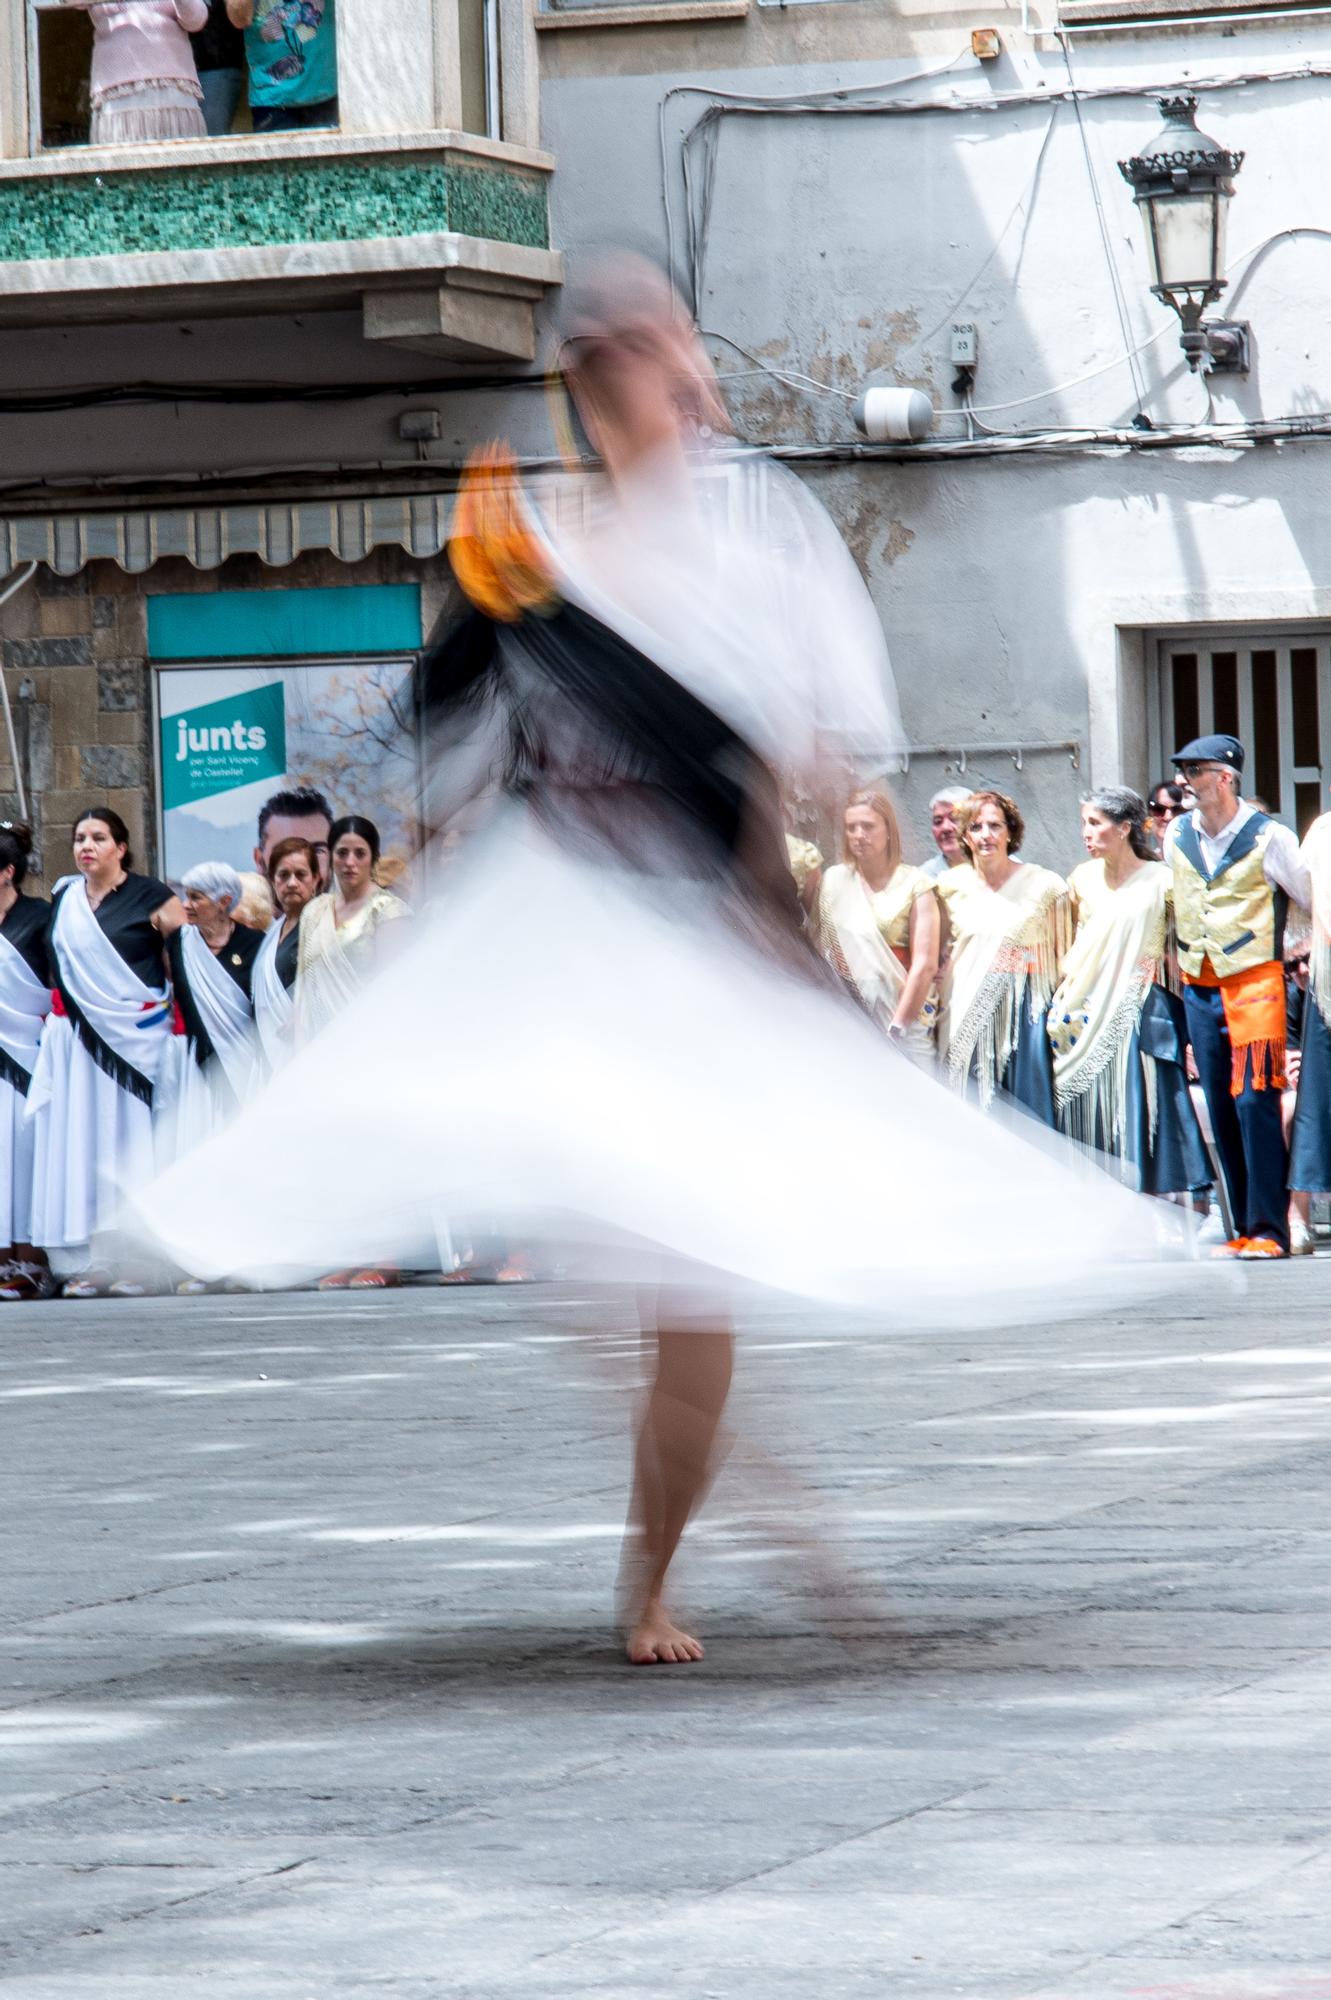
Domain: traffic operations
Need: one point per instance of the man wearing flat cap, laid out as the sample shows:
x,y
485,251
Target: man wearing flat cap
x,y
1235,872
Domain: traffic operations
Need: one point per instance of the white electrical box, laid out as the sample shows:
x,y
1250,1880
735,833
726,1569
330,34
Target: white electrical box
x,y
965,350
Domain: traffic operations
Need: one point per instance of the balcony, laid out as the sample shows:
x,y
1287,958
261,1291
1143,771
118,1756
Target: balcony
x,y
442,238
439,236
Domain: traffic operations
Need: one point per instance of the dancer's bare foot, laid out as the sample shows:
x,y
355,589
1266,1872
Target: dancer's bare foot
x,y
655,1642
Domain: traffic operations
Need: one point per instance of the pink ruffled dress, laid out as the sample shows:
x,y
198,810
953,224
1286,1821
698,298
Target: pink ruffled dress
x,y
144,84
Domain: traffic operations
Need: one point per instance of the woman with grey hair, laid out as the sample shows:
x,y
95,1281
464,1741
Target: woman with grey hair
x,y
1120,1087
212,963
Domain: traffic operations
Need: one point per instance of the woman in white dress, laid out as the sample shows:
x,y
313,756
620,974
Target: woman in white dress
x,y
340,931
25,1001
877,925
104,1049
341,943
293,868
591,1037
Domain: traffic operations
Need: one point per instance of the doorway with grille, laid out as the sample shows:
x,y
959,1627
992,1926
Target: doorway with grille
x,y
1271,689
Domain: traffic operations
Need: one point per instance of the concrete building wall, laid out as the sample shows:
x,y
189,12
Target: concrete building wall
x,y
1014,590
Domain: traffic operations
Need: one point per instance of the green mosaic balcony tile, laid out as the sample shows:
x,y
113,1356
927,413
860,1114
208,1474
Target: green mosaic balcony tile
x,y
267,202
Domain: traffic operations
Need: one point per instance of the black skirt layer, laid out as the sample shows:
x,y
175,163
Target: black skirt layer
x,y
619,762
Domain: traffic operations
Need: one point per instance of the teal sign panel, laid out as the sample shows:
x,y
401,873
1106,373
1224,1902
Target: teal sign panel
x,y
375,618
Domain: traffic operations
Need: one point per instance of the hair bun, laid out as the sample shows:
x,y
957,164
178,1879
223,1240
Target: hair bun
x,y
19,832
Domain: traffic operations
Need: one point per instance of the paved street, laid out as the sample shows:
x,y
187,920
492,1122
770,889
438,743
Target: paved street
x,y
309,1687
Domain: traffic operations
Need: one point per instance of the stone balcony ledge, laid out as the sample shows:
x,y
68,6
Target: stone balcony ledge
x,y
442,238
247,148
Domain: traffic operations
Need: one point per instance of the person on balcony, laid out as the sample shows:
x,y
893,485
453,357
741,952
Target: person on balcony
x,y
291,49
144,85
219,56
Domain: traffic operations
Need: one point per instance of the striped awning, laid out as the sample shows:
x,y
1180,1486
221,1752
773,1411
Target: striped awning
x,y
276,531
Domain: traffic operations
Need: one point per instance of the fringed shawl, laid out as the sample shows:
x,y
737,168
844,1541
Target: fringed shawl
x,y
1119,952
1007,946
1316,855
861,929
334,960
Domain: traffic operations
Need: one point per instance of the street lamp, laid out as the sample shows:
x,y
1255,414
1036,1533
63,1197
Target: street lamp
x,y
1182,184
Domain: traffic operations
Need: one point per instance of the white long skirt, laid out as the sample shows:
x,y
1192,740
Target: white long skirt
x,y
16,1151
594,1063
188,1105
92,1141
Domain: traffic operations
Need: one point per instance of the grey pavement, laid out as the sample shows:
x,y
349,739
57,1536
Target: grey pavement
x,y
1018,1678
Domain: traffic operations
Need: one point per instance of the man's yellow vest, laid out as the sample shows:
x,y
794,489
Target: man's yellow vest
x,y
1234,918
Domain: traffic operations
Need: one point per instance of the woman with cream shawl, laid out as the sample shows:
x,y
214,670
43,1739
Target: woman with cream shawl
x,y
1310,1134
877,926
1009,925
339,931
1117,1033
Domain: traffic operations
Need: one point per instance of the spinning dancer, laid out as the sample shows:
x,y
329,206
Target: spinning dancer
x,y
588,1042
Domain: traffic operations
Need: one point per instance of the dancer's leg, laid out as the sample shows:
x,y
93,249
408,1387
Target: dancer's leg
x,y
674,1458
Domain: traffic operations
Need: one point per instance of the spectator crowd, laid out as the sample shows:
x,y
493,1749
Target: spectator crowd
x,y
134,1018
1161,1006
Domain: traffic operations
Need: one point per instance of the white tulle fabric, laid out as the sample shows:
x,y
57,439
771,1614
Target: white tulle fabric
x,y
599,1062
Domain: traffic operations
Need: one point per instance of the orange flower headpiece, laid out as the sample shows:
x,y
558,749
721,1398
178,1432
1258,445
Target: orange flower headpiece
x,y
496,554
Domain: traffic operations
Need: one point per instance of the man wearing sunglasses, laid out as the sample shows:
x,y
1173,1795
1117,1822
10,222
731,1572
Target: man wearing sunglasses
x,y
1235,871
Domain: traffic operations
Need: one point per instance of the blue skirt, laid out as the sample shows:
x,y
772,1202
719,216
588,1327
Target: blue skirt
x,y
1174,1161
1310,1140
1028,1075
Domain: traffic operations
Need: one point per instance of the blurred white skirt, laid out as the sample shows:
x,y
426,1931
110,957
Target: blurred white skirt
x,y
598,1064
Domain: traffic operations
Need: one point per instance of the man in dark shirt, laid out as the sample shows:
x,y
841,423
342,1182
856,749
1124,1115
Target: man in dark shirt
x,y
219,57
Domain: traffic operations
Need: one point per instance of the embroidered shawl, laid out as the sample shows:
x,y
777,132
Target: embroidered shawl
x,y
1006,949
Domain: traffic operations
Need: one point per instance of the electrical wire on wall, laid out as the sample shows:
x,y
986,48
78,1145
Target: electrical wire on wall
x,y
699,150
860,101
1111,262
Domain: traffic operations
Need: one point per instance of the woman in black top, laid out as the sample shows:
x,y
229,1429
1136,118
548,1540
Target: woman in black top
x,y
104,1047
25,1001
293,870
212,1065
217,1016
219,57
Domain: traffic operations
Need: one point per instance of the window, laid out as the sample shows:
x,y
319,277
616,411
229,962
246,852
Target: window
x,y
62,45
478,65
1273,691
277,74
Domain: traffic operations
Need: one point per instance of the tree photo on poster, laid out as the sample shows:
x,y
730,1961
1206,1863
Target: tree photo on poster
x,y
231,736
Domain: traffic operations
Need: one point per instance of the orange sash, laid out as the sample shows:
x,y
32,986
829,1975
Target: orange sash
x,y
1254,1004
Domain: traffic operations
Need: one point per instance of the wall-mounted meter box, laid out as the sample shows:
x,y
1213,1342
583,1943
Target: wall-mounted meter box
x,y
965,349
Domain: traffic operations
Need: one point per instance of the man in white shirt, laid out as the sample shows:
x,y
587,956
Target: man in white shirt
x,y
1235,872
